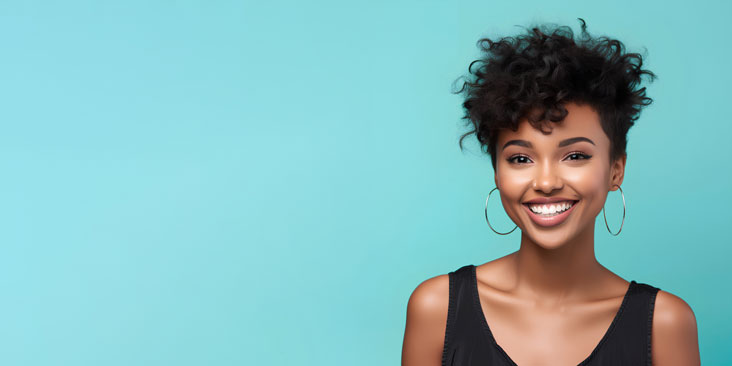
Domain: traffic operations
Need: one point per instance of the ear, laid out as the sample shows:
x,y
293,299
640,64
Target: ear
x,y
617,172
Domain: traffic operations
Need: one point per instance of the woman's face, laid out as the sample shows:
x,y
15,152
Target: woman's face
x,y
571,164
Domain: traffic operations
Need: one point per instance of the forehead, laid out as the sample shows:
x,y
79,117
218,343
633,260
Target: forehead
x,y
581,120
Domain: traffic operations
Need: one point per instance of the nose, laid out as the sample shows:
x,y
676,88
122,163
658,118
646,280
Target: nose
x,y
547,179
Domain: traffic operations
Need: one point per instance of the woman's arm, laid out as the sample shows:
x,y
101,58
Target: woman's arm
x,y
674,339
424,335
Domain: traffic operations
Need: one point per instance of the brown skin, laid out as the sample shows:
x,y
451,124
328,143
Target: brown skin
x,y
550,302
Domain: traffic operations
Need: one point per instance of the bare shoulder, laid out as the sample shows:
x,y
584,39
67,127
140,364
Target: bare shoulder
x,y
426,321
431,296
674,339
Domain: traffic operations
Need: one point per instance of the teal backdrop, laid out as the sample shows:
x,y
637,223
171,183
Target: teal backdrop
x,y
265,183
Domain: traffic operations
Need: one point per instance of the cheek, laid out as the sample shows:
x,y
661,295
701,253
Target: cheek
x,y
590,183
589,177
513,188
513,185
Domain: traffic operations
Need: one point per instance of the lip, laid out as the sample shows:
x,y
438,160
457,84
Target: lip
x,y
541,200
553,220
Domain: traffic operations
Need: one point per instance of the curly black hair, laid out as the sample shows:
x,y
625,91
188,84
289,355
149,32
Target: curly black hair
x,y
532,75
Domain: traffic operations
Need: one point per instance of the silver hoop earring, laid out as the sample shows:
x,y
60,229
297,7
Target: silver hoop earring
x,y
621,223
486,215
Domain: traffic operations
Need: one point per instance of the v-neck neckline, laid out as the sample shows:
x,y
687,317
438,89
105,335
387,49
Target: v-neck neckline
x,y
487,329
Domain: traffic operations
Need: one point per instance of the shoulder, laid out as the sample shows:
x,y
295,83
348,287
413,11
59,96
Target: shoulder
x,y
430,298
672,315
426,322
674,338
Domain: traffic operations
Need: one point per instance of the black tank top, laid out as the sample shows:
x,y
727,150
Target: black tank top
x,y
469,341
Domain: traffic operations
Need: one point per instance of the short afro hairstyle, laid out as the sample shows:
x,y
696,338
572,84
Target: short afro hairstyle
x,y
532,75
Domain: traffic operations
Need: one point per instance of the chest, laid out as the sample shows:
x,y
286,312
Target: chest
x,y
530,334
609,332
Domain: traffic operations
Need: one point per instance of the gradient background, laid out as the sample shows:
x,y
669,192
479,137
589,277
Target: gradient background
x,y
265,183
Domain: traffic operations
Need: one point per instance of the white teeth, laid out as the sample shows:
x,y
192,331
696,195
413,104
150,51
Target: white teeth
x,y
551,209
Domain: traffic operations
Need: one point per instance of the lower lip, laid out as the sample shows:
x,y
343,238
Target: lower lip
x,y
549,220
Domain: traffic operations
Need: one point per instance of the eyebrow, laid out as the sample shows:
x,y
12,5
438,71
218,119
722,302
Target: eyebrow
x,y
562,143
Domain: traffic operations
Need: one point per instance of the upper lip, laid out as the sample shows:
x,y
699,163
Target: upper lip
x,y
540,200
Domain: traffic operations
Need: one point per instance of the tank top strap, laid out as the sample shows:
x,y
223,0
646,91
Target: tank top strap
x,y
458,307
466,343
631,337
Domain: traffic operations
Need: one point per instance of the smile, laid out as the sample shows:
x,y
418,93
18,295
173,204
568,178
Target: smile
x,y
550,214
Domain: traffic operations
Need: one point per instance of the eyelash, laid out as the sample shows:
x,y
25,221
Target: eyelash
x,y
583,157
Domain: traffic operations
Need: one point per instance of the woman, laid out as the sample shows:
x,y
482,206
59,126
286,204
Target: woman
x,y
553,113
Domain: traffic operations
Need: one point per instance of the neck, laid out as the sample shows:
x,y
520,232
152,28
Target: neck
x,y
554,276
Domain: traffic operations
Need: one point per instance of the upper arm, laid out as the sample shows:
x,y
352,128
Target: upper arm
x,y
424,334
674,339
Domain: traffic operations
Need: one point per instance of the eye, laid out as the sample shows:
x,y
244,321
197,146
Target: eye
x,y
576,155
518,159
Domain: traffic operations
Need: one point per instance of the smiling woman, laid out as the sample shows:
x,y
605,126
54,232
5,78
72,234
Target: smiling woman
x,y
553,113
570,165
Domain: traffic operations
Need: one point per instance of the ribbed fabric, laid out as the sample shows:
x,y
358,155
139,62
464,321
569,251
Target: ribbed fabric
x,y
469,341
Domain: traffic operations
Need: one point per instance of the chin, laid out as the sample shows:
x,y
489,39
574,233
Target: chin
x,y
548,240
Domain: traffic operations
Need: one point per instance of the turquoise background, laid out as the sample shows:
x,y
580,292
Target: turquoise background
x,y
265,183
